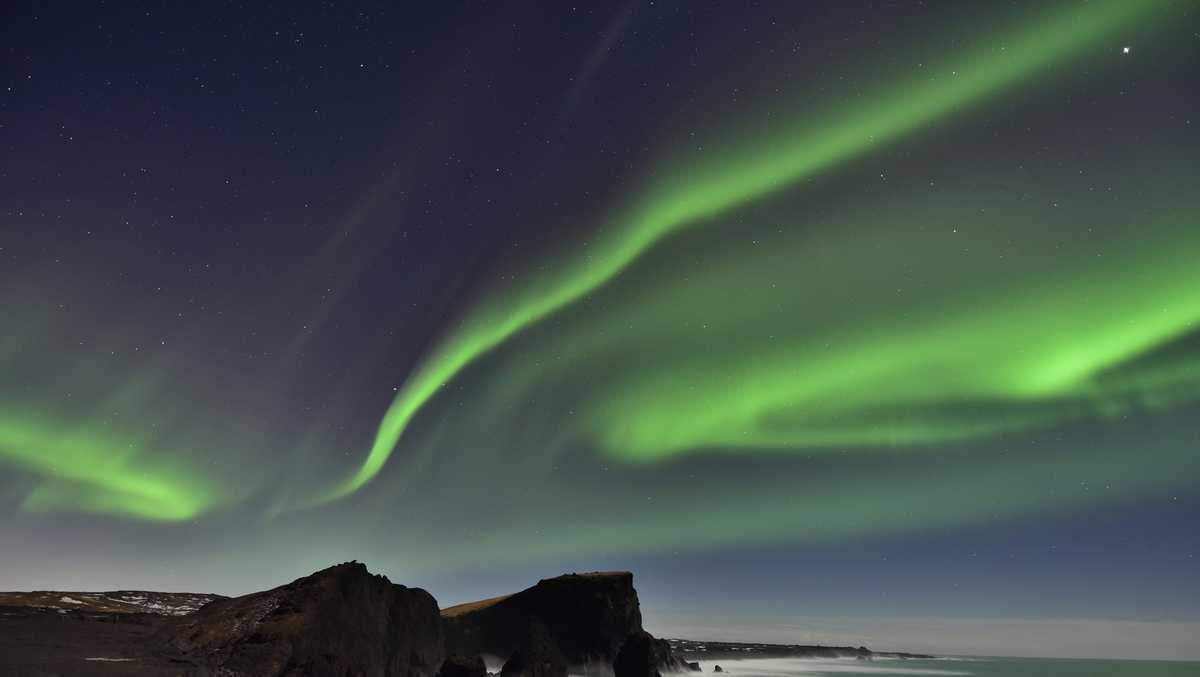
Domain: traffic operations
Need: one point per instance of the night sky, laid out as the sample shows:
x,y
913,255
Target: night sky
x,y
858,322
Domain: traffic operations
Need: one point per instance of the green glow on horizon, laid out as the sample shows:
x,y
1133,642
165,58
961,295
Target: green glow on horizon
x,y
756,169
938,491
93,470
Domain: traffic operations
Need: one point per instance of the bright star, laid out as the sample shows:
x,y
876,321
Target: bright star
x,y
1125,50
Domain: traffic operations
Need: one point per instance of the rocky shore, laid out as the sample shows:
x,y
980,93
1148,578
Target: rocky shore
x,y
346,622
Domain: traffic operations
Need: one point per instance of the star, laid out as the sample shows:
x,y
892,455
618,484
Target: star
x,y
1124,50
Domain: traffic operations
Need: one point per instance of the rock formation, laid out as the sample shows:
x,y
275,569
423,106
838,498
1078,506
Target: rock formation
x,y
337,622
462,666
538,656
586,617
644,656
345,622
580,621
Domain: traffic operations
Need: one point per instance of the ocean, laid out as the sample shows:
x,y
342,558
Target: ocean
x,y
980,667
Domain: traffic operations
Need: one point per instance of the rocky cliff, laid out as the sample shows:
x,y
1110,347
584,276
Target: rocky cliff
x,y
587,617
345,622
339,621
576,621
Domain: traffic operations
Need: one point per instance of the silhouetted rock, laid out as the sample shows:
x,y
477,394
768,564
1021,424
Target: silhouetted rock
x,y
637,657
462,666
644,656
344,622
538,656
337,622
717,668
586,619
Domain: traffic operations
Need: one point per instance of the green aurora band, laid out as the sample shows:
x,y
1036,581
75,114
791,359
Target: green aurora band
x,y
94,471
950,365
102,428
789,327
760,167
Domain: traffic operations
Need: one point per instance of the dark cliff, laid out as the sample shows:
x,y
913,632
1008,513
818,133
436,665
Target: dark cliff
x,y
644,656
587,617
339,621
580,621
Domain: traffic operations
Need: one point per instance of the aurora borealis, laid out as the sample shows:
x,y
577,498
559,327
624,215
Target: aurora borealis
x,y
742,174
525,288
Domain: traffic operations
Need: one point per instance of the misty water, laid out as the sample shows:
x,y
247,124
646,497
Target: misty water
x,y
981,667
